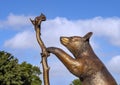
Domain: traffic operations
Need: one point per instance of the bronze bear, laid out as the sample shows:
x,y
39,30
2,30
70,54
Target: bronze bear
x,y
86,65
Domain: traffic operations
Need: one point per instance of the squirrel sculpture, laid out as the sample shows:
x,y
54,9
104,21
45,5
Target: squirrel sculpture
x,y
86,65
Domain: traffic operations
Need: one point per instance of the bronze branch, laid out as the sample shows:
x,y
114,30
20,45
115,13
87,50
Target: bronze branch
x,y
37,26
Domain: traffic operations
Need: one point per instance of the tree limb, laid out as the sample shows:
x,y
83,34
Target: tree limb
x,y
37,26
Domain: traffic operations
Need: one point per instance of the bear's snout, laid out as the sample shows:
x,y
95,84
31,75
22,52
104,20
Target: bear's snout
x,y
64,40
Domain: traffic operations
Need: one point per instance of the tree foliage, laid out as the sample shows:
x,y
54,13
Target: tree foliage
x,y
76,82
13,73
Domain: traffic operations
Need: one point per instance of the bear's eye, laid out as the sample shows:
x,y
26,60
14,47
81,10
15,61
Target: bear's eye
x,y
74,39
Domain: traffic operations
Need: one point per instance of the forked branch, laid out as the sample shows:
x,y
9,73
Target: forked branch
x,y
37,26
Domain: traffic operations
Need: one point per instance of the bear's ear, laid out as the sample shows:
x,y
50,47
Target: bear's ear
x,y
87,36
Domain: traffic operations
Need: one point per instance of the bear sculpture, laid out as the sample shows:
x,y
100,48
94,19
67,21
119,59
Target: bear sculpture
x,y
86,65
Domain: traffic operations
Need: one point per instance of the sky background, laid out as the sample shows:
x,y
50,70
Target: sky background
x,y
64,18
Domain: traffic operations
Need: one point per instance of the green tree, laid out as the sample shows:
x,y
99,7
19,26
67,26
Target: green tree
x,y
13,73
76,82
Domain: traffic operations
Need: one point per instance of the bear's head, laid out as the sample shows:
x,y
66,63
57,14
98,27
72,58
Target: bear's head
x,y
76,44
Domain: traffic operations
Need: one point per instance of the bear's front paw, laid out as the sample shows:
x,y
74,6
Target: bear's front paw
x,y
50,49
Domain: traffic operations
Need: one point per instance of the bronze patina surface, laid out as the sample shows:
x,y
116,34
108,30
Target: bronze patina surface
x,y
86,65
37,26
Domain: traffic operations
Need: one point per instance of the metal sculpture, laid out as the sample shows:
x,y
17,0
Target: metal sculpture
x,y
85,64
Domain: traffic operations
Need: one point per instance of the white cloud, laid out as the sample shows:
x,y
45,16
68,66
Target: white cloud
x,y
15,21
106,27
114,64
54,28
24,39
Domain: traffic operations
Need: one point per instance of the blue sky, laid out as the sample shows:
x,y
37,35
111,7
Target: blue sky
x,y
64,17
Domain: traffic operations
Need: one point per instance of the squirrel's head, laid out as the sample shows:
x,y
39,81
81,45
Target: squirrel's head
x,y
75,43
